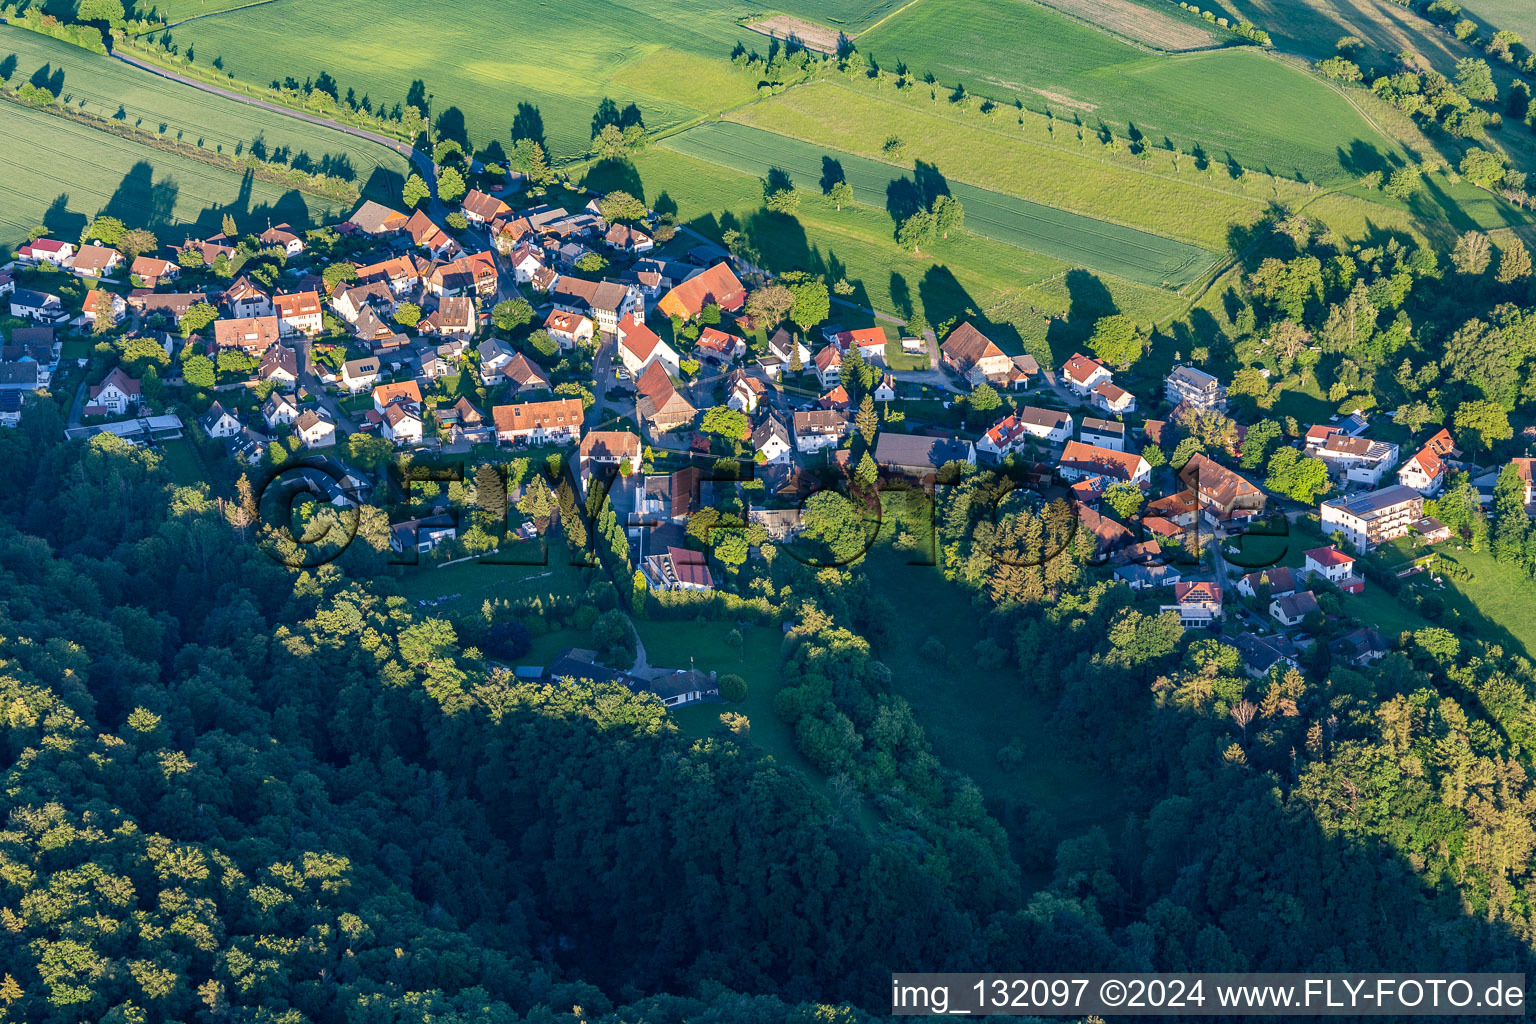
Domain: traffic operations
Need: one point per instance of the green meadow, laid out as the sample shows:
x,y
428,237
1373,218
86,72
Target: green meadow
x,y
480,62
114,175
1070,237
99,85
1232,104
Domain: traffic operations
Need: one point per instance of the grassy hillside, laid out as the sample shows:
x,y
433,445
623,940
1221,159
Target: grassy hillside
x,y
109,88
480,60
964,272
1073,238
1232,104
60,174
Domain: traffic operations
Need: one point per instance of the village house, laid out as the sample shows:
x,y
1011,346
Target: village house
x,y
1278,579
219,422
425,233
299,313
1426,470
771,441
401,422
1194,388
974,357
1334,566
1374,517
677,569
1357,460
41,307
1103,433
278,410
884,389
47,250
376,219
1080,461
783,349
251,335
1081,374
717,286
553,422
315,428
837,398
918,456
525,261
816,429
245,299
474,274
1222,495
1262,653
1291,609
745,391
282,236
625,238
401,275
569,329
1197,603
524,375
96,260
671,497
424,534
91,306
869,341
481,208
639,347
454,315
716,346
405,391
615,448
1009,433
115,395
350,303
1112,398
1525,468
171,304
152,270
828,365
494,357
359,374
465,422
659,403
605,302
1360,647
280,364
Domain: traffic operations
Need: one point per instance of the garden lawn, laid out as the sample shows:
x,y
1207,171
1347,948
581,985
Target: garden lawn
x,y
108,88
1073,238
182,460
143,186
1498,592
1234,104
463,587
479,60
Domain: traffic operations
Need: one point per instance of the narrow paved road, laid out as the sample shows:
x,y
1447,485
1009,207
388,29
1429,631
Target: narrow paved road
x,y
422,161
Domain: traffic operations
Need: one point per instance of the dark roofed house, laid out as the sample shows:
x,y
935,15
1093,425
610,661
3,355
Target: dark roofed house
x,y
920,456
1262,653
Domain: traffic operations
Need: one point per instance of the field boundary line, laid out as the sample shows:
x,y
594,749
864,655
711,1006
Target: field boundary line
x,y
1138,44
885,19
167,26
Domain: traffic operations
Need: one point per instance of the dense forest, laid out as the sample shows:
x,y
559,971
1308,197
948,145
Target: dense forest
x,y
241,792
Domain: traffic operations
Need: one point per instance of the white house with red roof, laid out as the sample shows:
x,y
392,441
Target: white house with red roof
x,y
1079,461
1334,566
828,364
639,347
1198,604
569,329
47,250
717,345
1014,430
116,394
1084,373
1112,398
1426,470
870,341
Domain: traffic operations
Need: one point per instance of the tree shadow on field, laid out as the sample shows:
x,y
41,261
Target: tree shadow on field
x,y
450,125
781,241
1363,158
528,123
384,184
902,199
61,221
831,173
1087,300
930,184
7,67
141,201
614,174
901,296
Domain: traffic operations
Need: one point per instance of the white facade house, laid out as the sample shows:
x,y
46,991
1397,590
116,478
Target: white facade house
x,y
1357,460
1010,433
1374,517
639,347
1103,433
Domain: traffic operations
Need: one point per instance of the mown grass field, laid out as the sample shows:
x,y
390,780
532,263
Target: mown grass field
x,y
965,272
172,11
479,60
60,174
1070,237
996,152
109,88
1232,104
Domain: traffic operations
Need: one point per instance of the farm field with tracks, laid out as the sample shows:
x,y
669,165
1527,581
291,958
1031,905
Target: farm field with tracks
x,y
111,89
1233,104
113,175
670,61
